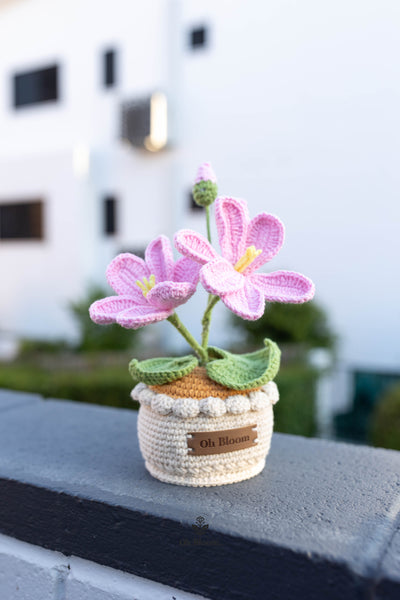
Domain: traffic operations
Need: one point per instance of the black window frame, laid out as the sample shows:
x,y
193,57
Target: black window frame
x,y
22,220
199,37
35,87
109,68
110,215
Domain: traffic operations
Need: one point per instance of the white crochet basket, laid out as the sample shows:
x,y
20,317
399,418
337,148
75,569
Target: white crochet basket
x,y
207,441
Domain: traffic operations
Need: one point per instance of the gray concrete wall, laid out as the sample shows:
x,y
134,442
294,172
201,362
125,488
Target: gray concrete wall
x,y
321,520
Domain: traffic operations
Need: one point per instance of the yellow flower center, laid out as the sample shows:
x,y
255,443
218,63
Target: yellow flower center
x,y
247,258
147,284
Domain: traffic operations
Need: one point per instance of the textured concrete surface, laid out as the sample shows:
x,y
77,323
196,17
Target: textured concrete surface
x,y
325,512
10,399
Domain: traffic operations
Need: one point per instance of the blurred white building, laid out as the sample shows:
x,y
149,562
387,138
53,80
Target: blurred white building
x,y
296,104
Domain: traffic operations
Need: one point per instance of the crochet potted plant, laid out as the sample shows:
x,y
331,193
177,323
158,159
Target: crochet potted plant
x,y
205,418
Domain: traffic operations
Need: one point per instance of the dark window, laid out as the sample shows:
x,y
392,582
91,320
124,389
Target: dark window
x,y
192,204
33,87
198,37
22,220
110,215
109,68
135,122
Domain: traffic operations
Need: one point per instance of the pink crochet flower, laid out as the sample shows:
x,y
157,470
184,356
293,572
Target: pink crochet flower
x,y
246,245
148,290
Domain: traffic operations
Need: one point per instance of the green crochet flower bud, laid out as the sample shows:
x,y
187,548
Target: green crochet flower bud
x,y
205,188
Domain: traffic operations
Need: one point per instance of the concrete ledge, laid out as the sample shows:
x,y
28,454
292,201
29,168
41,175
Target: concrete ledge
x,y
10,399
319,522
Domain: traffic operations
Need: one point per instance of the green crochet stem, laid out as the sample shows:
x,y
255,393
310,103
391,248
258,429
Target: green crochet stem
x,y
201,352
206,321
208,223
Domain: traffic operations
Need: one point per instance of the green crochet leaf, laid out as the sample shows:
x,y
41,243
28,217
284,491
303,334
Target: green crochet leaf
x,y
244,371
156,371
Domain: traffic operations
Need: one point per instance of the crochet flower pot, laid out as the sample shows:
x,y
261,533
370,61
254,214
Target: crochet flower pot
x,y
197,432
204,419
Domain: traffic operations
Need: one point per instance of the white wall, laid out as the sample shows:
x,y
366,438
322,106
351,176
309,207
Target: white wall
x,y
295,103
38,145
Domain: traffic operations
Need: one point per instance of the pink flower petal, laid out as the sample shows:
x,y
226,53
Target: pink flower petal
x,y
284,286
266,233
194,246
248,302
186,269
205,173
159,258
124,271
232,218
107,310
170,294
139,316
219,277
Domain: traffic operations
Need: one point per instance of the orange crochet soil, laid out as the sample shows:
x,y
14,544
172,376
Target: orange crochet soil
x,y
196,385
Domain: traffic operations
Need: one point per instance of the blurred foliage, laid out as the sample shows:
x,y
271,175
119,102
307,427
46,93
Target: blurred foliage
x,y
96,338
369,387
295,411
297,327
108,386
306,324
111,386
385,422
29,348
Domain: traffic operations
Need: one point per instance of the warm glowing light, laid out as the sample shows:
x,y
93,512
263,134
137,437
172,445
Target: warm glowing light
x,y
158,123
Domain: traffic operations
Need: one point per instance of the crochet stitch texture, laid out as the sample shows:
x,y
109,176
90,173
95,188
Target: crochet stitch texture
x,y
205,418
197,385
148,290
245,245
205,188
165,424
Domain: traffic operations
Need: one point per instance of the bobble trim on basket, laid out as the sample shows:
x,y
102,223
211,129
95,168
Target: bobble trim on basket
x,y
211,406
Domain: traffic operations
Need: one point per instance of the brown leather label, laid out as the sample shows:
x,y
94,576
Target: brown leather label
x,y
217,442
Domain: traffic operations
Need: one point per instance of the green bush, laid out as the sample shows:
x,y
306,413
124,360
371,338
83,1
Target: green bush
x,y
111,386
295,411
29,348
96,338
305,324
385,428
